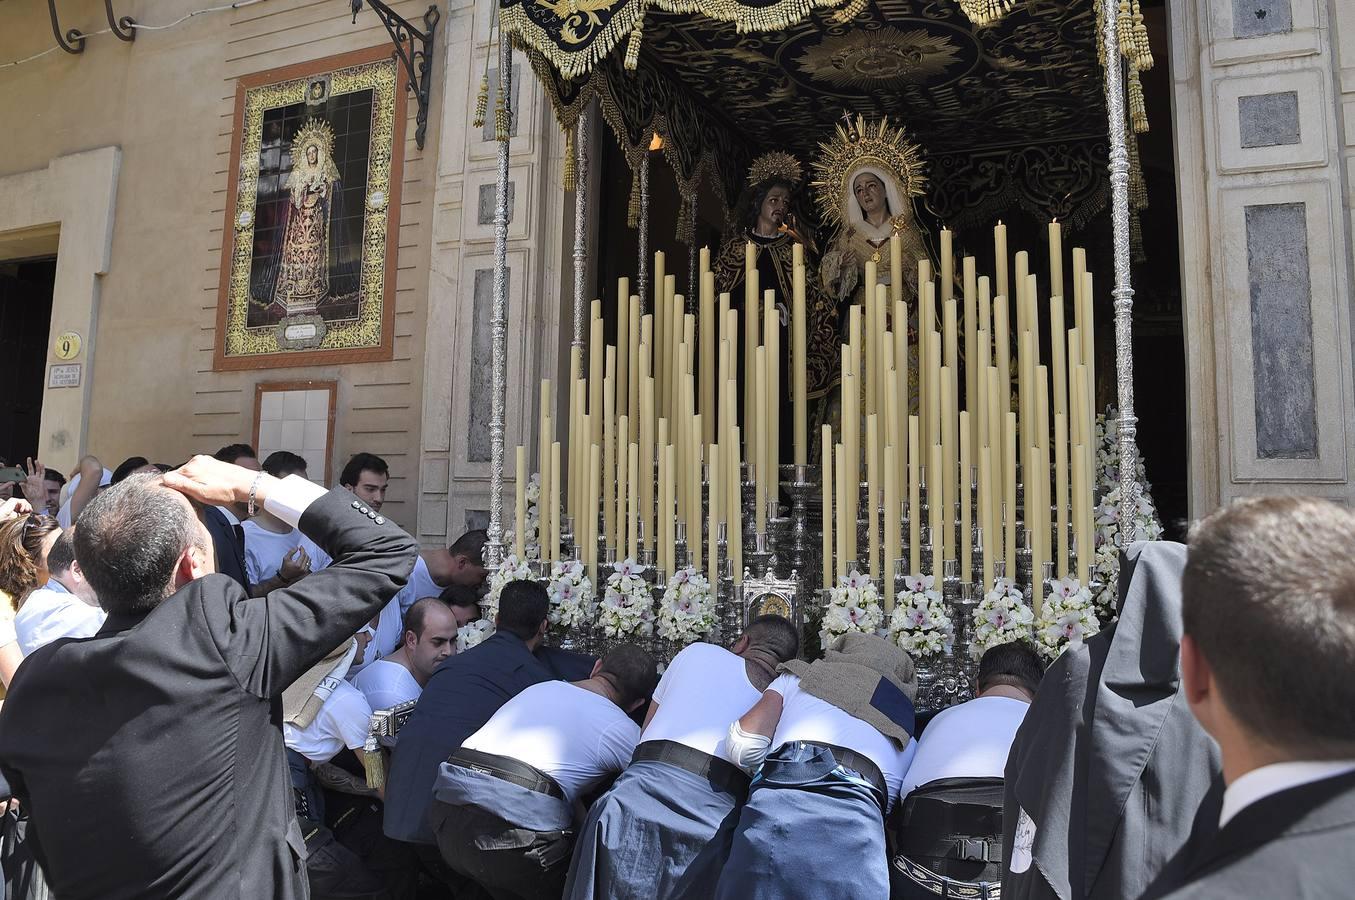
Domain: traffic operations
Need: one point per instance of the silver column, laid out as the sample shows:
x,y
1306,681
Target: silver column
x,y
499,317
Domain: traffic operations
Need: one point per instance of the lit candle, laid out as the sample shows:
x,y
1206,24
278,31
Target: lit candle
x,y
826,449
799,358
520,508
914,499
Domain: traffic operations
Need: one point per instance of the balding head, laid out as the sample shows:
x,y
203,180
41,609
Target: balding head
x,y
132,542
430,636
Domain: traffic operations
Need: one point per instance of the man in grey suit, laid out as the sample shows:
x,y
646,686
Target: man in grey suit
x,y
1267,660
1111,783
150,755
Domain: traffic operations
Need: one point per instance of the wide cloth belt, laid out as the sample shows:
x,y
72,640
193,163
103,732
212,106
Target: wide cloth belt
x,y
723,774
954,818
508,769
858,763
947,888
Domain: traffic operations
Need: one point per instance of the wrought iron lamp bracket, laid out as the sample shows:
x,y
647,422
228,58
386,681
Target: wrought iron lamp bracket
x,y
72,41
123,29
414,47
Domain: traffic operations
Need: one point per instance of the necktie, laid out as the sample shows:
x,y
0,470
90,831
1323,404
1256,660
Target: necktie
x,y
240,538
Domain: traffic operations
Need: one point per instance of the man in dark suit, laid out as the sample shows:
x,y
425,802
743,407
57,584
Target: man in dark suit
x,y
462,695
1110,781
1266,660
223,522
150,756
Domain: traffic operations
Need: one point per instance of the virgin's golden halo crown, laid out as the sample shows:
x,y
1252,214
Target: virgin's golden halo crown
x,y
317,132
859,144
776,164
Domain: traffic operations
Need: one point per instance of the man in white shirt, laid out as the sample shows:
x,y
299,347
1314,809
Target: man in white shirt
x,y
429,638
667,820
276,554
441,567
64,607
1268,608
951,822
840,731
527,769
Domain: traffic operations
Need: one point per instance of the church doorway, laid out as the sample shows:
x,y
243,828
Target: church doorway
x,y
25,320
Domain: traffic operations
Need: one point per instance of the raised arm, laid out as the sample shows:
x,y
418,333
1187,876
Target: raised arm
x,y
270,641
750,737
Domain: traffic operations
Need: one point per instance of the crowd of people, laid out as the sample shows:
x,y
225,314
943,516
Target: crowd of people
x,y
196,653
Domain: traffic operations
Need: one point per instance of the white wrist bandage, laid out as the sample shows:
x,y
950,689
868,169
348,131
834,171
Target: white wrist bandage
x,y
747,749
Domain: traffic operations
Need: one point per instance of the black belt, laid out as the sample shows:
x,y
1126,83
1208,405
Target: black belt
x,y
954,819
859,763
508,769
722,774
947,888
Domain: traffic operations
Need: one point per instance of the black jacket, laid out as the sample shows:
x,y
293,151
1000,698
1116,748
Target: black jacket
x,y
1294,844
150,755
1118,778
230,555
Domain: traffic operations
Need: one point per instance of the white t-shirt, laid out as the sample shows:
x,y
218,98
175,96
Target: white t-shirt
x,y
420,585
805,717
386,683
970,740
390,627
573,735
264,551
53,612
341,722
703,690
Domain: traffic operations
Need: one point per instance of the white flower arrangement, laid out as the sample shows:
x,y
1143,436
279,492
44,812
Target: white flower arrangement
x,y
472,633
854,605
1146,525
687,611
1001,617
571,595
1067,618
627,603
510,569
919,623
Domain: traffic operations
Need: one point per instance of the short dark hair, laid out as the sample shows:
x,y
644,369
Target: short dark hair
x,y
129,539
359,463
233,453
281,463
471,545
62,554
460,595
417,614
1015,664
523,606
53,475
128,466
1268,596
775,634
631,672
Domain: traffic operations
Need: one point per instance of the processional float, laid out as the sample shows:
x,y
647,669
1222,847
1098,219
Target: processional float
x,y
959,484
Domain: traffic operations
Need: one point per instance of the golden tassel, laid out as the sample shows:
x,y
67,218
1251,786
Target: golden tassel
x,y
1138,111
1125,30
570,165
633,46
850,11
1143,51
481,103
985,12
374,767
502,125
633,210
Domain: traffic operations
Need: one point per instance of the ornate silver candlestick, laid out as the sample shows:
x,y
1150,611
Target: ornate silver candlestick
x,y
800,483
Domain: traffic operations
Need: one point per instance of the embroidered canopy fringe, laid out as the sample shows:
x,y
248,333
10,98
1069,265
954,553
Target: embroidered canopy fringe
x,y
986,12
1138,111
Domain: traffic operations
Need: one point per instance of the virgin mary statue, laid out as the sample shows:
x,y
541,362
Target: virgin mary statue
x,y
311,264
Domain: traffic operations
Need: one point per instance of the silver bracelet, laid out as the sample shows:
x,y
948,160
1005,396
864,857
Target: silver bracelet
x,y
253,489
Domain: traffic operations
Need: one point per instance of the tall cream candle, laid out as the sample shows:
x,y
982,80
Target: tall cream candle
x,y
708,356
623,358
623,479
1082,495
945,478
633,371
966,515
844,526
750,326
594,483
647,462
734,499
772,401
799,359
826,451
714,514
988,520
667,463
872,495
971,334
947,265
1055,259
914,498
607,486
895,271
1009,492
757,441
936,504
1000,256
633,502
995,540
1061,493
851,441
891,521
520,501
902,399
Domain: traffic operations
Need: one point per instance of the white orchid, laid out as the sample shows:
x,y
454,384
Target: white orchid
x,y
1067,618
687,611
510,568
472,633
571,595
1001,617
627,603
854,605
919,623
